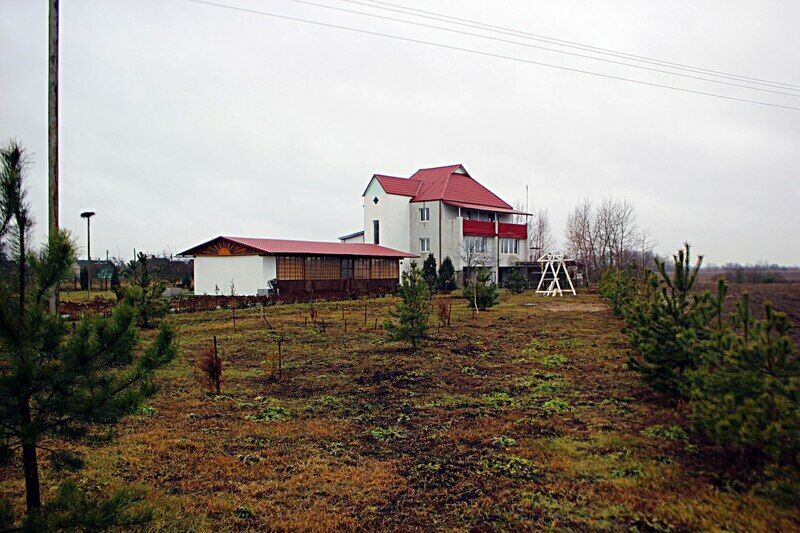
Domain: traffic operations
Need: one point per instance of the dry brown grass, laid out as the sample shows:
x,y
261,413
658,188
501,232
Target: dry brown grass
x,y
523,418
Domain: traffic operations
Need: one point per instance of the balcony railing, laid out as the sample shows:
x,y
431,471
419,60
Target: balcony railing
x,y
479,228
513,231
482,228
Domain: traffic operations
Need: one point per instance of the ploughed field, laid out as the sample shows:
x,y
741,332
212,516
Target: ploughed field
x,y
524,417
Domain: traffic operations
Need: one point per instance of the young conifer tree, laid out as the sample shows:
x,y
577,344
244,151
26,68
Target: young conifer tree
x,y
668,324
447,275
144,292
746,394
409,319
53,382
482,293
429,273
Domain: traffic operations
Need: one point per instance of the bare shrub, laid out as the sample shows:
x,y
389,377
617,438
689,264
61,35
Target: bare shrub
x,y
210,367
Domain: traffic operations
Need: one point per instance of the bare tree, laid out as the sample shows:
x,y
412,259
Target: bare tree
x,y
473,254
606,236
540,231
579,236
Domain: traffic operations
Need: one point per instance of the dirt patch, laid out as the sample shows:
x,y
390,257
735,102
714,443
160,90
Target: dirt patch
x,y
571,307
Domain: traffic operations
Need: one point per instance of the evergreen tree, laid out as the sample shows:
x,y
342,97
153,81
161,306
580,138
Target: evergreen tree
x,y
746,394
186,280
84,278
668,324
409,319
144,293
447,276
516,282
429,273
54,383
483,293
115,278
619,287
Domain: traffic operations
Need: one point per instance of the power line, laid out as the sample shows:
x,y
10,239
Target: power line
x,y
486,54
507,41
571,44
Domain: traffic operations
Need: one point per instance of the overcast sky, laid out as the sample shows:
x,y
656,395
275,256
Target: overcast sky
x,y
181,121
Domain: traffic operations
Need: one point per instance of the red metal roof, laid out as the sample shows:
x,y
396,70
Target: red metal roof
x,y
400,186
290,247
450,184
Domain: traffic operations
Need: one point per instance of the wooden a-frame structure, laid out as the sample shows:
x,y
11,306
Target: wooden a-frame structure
x,y
553,265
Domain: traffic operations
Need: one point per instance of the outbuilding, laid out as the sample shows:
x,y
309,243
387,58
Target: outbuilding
x,y
293,269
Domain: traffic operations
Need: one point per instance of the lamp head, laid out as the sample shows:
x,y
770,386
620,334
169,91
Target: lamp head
x,y
87,214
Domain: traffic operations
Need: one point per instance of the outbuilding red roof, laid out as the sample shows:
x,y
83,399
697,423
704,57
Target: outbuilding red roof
x,y
450,184
292,247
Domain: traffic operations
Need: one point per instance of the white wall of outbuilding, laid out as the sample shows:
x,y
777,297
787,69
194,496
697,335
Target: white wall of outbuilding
x,y
247,273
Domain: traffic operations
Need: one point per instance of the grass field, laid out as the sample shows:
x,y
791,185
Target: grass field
x,y
522,418
81,296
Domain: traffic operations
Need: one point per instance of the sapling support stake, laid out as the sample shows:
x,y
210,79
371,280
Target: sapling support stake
x,y
280,357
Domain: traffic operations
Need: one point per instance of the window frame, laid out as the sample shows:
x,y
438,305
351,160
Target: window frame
x,y
509,245
424,244
376,231
424,214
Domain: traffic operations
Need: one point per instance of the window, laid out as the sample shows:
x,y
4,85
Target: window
x,y
362,268
347,269
385,268
324,268
425,244
509,246
291,268
475,244
424,214
376,232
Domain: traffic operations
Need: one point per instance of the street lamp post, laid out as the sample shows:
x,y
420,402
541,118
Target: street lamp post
x,y
88,216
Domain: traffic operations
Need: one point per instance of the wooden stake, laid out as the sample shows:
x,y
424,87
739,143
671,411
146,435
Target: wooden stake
x,y
280,357
216,361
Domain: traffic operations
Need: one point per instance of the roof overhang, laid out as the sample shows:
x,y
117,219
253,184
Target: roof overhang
x,y
351,235
495,209
227,246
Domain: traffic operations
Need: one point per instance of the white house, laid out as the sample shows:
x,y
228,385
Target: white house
x,y
443,211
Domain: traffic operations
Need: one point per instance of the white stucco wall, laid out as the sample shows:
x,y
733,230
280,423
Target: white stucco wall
x,y
392,212
248,273
428,229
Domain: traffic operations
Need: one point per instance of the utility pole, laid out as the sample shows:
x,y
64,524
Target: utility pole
x,y
88,216
52,131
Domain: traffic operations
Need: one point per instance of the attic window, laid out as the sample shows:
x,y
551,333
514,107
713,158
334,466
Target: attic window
x,y
375,200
